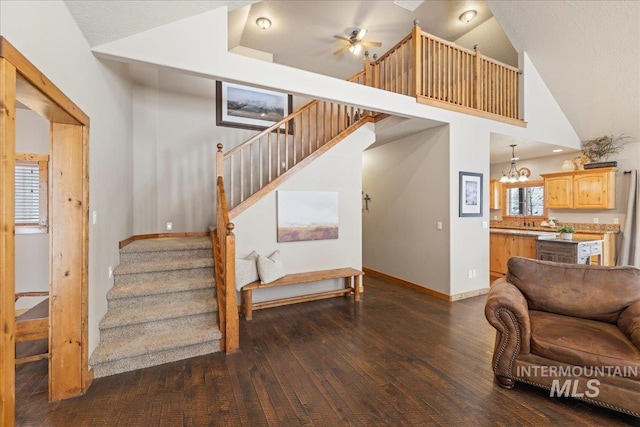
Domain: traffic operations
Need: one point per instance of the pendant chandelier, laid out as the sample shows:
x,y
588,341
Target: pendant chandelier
x,y
513,175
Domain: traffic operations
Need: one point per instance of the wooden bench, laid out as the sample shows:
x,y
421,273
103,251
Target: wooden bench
x,y
32,326
352,283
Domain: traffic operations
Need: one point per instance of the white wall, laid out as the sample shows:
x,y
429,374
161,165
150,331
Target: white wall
x,y
338,170
32,250
469,236
48,36
491,41
407,182
469,135
175,138
628,158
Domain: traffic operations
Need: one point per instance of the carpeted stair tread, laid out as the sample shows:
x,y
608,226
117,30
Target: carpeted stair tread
x,y
159,287
154,266
153,342
162,307
132,316
168,244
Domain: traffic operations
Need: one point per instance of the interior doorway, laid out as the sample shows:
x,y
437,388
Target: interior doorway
x,y
69,375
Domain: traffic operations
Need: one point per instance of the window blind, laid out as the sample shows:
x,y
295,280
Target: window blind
x,y
27,194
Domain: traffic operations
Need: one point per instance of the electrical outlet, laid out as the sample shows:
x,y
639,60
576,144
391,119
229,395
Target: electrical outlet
x,y
595,220
470,274
616,221
169,226
110,272
439,225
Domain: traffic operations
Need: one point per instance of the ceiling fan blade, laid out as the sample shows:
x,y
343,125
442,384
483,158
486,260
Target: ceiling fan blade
x,y
342,49
342,38
370,43
361,34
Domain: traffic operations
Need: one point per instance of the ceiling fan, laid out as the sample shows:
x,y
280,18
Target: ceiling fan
x,y
355,42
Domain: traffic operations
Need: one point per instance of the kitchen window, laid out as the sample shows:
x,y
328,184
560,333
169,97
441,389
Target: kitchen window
x,y
524,199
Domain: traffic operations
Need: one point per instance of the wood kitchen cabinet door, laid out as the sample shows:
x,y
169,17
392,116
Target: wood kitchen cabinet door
x,y
594,190
497,256
558,192
585,189
504,246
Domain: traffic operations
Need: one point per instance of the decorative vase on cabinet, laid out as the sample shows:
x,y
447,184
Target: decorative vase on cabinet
x,y
568,166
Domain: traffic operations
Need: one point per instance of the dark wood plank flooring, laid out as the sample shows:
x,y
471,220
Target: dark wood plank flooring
x,y
398,358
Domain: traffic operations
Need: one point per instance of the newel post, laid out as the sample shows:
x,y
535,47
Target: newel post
x,y
417,58
232,338
375,71
477,79
219,160
367,69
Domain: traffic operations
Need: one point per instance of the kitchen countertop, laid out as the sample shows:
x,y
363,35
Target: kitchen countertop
x,y
573,241
525,232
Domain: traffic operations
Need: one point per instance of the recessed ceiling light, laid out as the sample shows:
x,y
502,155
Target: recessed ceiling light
x,y
557,150
467,16
263,23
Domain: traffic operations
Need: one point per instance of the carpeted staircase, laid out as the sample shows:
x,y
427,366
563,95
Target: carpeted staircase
x,y
162,307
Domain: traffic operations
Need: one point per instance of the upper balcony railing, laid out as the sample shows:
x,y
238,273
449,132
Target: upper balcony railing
x,y
443,74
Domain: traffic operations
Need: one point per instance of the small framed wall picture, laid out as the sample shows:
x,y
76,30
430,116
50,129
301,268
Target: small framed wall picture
x,y
470,194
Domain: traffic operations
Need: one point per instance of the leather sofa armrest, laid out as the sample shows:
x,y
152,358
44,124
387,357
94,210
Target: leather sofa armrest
x,y
629,323
507,310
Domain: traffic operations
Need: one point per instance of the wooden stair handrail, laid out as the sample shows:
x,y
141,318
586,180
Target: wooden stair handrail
x,y
223,241
271,128
444,77
249,201
264,157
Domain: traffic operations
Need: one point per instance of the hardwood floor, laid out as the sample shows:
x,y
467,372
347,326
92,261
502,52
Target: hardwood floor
x,y
398,358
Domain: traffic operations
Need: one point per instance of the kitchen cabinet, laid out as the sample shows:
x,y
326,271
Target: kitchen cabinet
x,y
572,251
495,194
585,189
609,245
504,246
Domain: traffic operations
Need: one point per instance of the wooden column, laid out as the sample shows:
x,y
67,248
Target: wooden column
x,y
417,59
219,160
7,247
68,209
232,339
477,80
367,70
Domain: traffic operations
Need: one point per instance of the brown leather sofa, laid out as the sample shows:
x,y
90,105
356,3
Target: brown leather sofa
x,y
572,329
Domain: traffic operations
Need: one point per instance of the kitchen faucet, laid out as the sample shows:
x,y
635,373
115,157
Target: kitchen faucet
x,y
526,223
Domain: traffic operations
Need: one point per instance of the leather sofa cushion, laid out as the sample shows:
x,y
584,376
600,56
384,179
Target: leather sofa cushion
x,y
582,342
585,291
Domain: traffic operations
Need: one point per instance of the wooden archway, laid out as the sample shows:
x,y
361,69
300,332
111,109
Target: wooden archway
x,y
69,373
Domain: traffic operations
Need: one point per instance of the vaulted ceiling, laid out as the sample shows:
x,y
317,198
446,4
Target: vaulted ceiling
x,y
587,52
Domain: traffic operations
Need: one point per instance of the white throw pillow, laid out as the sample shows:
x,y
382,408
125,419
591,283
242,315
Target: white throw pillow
x,y
271,268
246,270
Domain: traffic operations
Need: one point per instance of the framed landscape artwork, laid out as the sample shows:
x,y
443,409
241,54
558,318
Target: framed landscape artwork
x,y
470,194
307,215
248,107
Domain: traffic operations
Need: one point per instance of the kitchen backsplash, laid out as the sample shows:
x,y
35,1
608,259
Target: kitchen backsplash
x,y
518,223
